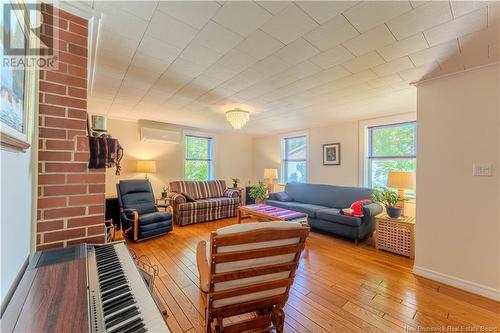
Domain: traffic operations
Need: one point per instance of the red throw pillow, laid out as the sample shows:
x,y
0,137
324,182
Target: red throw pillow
x,y
356,209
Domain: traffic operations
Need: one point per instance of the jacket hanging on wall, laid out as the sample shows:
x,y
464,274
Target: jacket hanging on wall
x,y
104,153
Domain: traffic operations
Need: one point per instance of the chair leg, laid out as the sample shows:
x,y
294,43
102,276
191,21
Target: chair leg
x,y
278,318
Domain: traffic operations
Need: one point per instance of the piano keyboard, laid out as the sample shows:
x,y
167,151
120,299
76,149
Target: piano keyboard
x,y
120,301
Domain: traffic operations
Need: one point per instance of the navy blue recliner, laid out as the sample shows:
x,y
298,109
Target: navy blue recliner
x,y
139,215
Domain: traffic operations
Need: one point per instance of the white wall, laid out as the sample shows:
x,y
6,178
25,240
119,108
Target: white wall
x,y
232,157
267,154
458,215
15,214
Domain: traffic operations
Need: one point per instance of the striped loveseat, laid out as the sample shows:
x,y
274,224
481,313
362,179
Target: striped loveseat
x,y
212,201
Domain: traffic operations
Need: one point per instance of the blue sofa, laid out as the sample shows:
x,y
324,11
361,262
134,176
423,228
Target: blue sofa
x,y
323,203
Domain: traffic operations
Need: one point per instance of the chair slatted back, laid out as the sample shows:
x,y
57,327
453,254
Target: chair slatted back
x,y
254,269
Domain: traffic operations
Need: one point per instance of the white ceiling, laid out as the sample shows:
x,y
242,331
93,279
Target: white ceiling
x,y
292,64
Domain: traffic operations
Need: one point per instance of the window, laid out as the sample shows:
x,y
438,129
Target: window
x,y
198,160
294,159
390,148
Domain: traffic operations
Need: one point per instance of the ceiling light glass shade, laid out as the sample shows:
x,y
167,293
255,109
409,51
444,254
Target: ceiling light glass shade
x,y
237,117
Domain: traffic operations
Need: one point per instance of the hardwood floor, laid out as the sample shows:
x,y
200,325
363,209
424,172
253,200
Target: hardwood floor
x,y
339,287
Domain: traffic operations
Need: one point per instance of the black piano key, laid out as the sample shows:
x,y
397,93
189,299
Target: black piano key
x,y
120,306
116,301
107,269
135,327
111,284
112,274
122,316
127,326
114,293
140,330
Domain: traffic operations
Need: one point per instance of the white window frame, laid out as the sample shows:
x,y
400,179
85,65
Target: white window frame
x,y
364,137
282,179
185,134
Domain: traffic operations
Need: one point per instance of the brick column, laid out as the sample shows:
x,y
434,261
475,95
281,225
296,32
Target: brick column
x,y
70,196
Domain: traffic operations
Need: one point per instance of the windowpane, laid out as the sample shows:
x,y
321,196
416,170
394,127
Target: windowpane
x,y
395,140
198,158
197,148
296,171
379,169
196,170
295,148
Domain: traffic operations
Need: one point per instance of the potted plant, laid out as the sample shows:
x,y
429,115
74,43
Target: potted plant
x,y
258,192
389,199
164,191
235,182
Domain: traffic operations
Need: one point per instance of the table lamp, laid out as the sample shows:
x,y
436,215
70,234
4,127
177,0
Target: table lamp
x,y
401,181
270,174
146,167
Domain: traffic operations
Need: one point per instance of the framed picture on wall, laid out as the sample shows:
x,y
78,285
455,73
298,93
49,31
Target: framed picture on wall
x,y
17,88
331,154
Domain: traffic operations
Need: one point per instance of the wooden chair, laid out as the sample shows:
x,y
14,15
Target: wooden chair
x,y
249,268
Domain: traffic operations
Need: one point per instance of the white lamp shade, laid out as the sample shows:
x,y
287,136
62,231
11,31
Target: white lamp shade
x,y
401,179
146,166
270,173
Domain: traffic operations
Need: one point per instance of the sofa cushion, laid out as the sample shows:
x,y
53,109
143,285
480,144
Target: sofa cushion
x,y
209,203
154,217
283,196
333,215
309,209
156,225
326,195
200,189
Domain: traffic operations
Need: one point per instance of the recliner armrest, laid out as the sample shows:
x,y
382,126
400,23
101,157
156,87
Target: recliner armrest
x,y
203,265
372,210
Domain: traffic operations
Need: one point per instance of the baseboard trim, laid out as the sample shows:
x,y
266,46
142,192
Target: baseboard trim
x,y
469,286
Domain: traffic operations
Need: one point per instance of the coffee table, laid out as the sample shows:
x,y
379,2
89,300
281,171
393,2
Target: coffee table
x,y
262,212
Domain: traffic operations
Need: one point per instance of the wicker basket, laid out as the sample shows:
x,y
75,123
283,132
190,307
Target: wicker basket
x,y
396,235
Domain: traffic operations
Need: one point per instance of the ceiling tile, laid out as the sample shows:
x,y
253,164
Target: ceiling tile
x,y
369,14
322,11
242,17
370,40
270,66
194,13
403,47
304,69
297,51
289,24
236,61
200,55
335,56
463,25
418,3
416,74
142,9
424,17
460,8
121,22
332,74
186,68
363,62
158,49
385,81
259,45
274,7
435,53
170,30
221,71
331,33
217,38
394,66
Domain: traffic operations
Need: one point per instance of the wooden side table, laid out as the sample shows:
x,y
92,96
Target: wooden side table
x,y
396,235
163,203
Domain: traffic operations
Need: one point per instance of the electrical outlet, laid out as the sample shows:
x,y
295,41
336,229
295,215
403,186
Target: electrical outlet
x,y
482,170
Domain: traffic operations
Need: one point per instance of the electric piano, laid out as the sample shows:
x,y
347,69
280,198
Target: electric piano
x,y
83,288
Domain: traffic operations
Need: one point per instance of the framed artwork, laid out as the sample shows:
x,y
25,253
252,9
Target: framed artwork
x,y
331,154
17,87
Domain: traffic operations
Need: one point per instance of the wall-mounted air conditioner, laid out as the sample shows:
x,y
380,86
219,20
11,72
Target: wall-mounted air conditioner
x,y
153,131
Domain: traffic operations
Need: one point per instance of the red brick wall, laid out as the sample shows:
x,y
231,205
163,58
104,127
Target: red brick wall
x,y
70,196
